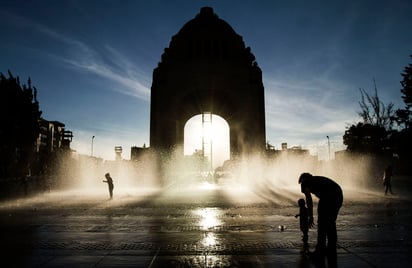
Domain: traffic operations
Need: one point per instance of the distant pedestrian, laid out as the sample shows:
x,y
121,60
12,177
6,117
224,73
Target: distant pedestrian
x,y
387,177
109,182
25,184
303,222
330,201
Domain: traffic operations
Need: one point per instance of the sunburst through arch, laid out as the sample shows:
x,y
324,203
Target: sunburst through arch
x,y
208,134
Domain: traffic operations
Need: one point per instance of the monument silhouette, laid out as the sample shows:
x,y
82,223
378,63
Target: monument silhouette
x,y
207,68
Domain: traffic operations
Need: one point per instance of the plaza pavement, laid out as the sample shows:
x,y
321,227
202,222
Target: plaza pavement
x,y
201,225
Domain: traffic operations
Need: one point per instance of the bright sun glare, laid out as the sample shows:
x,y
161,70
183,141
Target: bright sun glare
x,y
209,132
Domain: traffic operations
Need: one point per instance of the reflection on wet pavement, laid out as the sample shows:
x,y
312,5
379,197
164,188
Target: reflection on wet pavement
x,y
156,229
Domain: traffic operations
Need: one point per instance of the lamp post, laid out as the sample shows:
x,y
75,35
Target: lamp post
x,y
92,147
328,147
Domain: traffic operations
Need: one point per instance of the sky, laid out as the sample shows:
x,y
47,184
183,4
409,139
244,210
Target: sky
x,y
92,62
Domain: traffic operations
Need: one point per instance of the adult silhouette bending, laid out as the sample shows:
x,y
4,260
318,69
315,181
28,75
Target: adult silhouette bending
x,y
110,184
330,200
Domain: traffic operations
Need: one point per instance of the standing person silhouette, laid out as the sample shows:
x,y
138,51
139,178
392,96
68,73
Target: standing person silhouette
x,y
303,223
109,182
330,201
387,176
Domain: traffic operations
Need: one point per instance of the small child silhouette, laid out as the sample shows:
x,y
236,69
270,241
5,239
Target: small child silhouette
x,y
110,184
304,222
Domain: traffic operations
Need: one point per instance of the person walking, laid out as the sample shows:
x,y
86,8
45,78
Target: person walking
x,y
110,184
387,177
330,201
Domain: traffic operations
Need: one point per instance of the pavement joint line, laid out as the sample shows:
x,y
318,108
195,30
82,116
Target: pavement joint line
x,y
358,256
154,257
99,261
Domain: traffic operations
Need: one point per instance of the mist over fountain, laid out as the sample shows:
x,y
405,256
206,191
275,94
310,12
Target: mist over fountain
x,y
207,69
255,180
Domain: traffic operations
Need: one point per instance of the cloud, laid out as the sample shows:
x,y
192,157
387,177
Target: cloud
x,y
130,85
306,111
112,65
105,62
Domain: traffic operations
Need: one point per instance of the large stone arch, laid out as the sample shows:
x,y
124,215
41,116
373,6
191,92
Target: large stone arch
x,y
207,68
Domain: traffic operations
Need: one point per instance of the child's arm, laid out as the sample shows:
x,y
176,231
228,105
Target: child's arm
x,y
309,203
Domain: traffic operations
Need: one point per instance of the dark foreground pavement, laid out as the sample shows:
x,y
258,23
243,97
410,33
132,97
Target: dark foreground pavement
x,y
196,227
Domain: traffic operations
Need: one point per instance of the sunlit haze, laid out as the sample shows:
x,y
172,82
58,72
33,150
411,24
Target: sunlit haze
x,y
210,134
252,181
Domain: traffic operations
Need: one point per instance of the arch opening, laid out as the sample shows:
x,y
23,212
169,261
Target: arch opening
x,y
207,139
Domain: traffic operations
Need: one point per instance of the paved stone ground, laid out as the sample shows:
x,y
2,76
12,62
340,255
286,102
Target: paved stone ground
x,y
200,225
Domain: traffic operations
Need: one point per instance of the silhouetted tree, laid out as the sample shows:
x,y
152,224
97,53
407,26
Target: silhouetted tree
x,y
376,135
402,139
404,116
373,134
365,138
19,125
374,111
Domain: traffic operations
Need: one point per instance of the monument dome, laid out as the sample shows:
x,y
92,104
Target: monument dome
x,y
207,68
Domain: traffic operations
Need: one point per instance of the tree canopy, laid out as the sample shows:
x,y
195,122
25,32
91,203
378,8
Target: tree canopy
x,y
404,116
365,138
374,112
375,133
370,135
19,120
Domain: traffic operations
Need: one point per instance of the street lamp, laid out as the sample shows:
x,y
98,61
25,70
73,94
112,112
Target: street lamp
x,y
328,147
92,147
